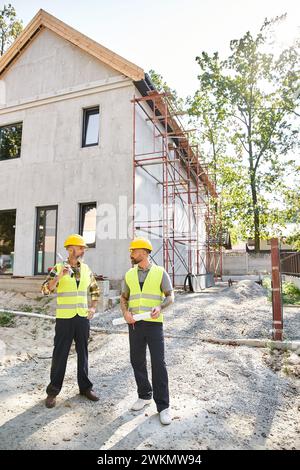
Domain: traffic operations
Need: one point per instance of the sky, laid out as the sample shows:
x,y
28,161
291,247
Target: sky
x,y
166,35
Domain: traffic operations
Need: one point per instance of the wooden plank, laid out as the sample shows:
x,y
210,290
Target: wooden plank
x,y
18,44
276,291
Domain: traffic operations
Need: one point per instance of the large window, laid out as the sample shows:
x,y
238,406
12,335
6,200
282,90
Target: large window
x,y
90,131
45,246
87,223
7,241
10,141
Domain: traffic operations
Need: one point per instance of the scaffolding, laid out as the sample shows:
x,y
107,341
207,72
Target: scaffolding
x,y
191,241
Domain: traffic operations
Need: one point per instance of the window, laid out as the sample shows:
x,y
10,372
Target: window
x,y
7,241
45,246
90,131
10,141
87,223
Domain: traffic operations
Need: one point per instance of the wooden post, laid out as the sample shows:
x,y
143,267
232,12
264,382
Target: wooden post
x,y
276,291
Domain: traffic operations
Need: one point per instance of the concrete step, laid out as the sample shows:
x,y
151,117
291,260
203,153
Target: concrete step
x,y
21,284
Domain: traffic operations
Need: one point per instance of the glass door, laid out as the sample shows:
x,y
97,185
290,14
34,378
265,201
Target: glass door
x,y
7,241
46,234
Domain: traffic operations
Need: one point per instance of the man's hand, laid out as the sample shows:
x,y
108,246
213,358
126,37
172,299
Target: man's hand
x,y
64,271
52,283
91,313
155,312
129,318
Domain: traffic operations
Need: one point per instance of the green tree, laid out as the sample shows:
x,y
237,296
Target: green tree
x,y
10,27
292,211
246,107
10,141
161,85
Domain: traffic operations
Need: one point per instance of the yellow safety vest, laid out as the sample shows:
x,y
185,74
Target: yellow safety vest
x,y
72,301
150,296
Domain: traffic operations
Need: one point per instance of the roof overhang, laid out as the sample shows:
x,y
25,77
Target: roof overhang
x,y
44,20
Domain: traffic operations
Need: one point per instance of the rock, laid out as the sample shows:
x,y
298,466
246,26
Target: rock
x,y
294,359
246,374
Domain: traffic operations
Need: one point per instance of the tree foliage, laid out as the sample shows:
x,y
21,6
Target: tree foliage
x,y
162,86
10,27
246,109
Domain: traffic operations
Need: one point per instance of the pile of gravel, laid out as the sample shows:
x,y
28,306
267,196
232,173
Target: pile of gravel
x,y
249,289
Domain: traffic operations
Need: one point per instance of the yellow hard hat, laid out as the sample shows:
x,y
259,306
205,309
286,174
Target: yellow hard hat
x,y
140,243
75,240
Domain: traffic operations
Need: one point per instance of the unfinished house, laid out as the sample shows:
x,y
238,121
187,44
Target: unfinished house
x,y
87,145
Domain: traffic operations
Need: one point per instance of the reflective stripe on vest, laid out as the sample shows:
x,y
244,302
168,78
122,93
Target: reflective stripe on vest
x,y
71,301
150,296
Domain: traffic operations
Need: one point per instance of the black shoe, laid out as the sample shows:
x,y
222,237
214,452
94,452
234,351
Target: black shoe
x,y
50,401
90,395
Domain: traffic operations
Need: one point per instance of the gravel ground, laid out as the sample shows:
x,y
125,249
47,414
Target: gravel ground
x,y
240,311
222,397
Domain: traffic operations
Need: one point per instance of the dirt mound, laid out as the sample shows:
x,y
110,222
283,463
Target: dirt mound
x,y
27,302
248,289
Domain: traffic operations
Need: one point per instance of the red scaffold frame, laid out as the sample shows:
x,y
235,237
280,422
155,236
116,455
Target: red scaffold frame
x,y
184,178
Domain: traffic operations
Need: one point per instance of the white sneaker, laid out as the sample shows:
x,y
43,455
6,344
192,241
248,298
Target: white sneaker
x,y
140,403
165,417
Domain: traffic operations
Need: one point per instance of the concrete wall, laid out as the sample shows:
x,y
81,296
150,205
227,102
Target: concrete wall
x,y
53,168
245,263
51,64
148,190
47,89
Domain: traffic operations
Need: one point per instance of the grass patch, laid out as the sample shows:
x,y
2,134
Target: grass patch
x,y
25,308
41,310
290,293
30,309
7,319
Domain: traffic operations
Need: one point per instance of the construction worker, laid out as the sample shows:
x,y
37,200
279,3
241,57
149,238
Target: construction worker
x,y
72,281
147,287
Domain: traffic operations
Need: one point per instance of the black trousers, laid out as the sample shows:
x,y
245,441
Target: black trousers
x,y
141,334
67,330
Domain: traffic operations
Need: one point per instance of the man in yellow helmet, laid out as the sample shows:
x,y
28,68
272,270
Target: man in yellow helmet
x,y
72,281
147,287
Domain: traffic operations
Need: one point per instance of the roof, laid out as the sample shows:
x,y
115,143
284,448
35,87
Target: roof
x,y
44,20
